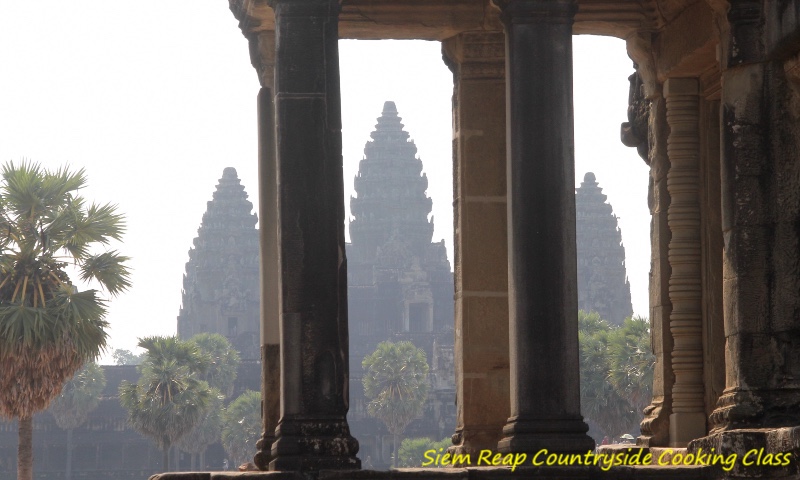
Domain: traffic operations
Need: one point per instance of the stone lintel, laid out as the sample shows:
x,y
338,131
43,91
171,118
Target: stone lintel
x,y
442,19
687,44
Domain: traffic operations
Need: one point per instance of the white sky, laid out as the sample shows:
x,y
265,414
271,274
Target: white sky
x,y
155,98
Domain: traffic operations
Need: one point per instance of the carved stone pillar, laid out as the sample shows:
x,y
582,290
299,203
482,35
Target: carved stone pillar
x,y
687,420
262,52
761,229
652,112
312,433
543,300
481,280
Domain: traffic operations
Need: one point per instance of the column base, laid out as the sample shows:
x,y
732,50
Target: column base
x,y
685,427
744,409
474,439
263,455
529,436
759,452
313,444
655,425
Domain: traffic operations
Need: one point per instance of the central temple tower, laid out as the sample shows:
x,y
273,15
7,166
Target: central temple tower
x,y
400,286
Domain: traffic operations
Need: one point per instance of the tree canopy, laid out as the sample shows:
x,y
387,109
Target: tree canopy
x,y
126,357
168,400
616,366
241,427
396,384
224,361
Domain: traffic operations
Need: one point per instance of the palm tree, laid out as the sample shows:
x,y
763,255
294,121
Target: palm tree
x,y
632,362
168,400
396,382
48,327
241,427
80,396
616,366
221,373
207,431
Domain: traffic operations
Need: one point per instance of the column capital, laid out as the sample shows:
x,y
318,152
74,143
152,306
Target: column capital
x,y
305,7
537,11
476,55
262,56
681,86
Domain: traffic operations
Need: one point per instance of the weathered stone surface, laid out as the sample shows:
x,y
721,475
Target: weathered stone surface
x,y
270,277
543,346
219,287
312,433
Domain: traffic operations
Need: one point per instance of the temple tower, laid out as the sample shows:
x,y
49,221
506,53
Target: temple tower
x,y
221,285
602,282
400,286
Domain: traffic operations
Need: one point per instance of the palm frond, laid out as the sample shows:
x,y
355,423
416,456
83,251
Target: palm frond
x,y
108,269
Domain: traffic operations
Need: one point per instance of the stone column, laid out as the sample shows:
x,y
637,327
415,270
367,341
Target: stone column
x,y
481,281
262,54
687,420
647,130
761,230
543,299
312,433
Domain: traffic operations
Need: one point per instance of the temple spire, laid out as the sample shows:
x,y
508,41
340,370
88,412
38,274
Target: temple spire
x,y
390,176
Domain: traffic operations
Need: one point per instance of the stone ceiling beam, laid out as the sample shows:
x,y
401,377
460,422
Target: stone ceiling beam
x,y
442,19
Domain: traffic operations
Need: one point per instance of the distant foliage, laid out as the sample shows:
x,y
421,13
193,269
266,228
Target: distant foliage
x,y
396,384
208,430
221,372
79,397
412,450
241,427
126,357
616,366
169,400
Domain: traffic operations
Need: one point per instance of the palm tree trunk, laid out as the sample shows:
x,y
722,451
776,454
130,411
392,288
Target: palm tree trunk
x,y
68,474
25,449
165,457
394,457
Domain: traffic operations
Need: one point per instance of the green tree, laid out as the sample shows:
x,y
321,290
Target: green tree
x,y
632,362
126,357
616,367
221,373
412,450
241,427
49,327
80,396
207,431
396,384
168,400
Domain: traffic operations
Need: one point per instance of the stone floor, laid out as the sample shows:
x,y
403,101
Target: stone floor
x,y
471,473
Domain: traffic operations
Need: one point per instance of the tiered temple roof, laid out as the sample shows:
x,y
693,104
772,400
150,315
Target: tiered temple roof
x,y
220,287
391,205
602,281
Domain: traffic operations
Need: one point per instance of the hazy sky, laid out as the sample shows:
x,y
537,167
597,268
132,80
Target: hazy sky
x,y
155,98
